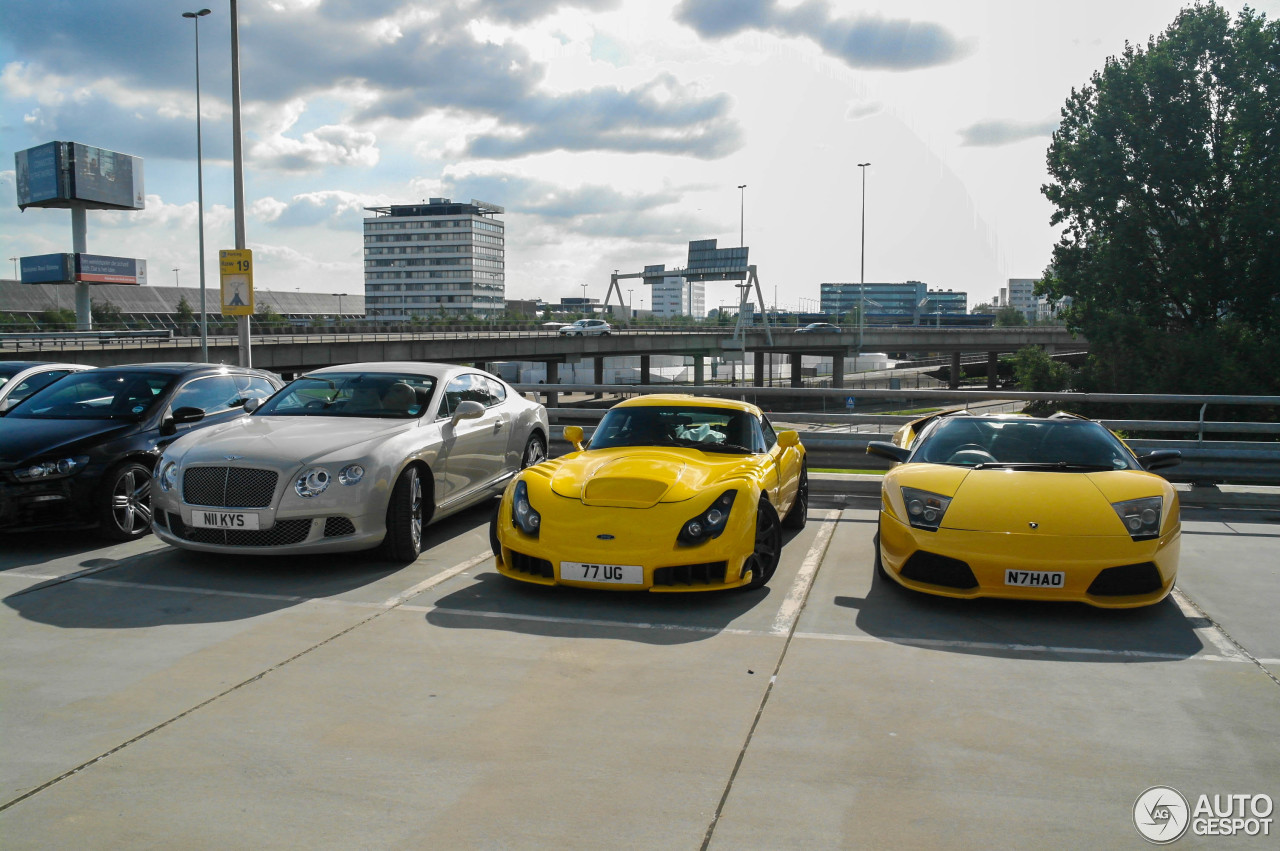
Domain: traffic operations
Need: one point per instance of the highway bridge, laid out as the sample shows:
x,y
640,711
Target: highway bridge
x,y
292,353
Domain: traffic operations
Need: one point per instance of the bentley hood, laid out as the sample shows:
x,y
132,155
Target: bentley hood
x,y
636,479
273,442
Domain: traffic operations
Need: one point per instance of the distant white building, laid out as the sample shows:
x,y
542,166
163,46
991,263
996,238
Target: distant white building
x,y
674,296
1020,294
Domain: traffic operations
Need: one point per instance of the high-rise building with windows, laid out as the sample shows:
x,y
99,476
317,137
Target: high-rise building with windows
x,y
1020,295
908,299
437,258
673,295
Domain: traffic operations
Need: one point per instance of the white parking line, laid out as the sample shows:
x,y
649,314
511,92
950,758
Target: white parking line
x,y
1209,631
794,601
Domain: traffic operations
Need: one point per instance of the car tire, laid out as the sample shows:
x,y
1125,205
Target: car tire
x,y
535,451
124,503
406,517
879,563
799,512
763,560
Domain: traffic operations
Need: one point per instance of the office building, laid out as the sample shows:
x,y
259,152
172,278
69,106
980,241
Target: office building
x,y
434,259
673,295
1020,294
909,301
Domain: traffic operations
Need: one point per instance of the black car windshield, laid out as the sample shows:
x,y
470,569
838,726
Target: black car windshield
x,y
9,370
1049,444
96,394
380,395
708,429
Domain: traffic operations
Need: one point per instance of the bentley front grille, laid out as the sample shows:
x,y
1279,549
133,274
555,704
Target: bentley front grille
x,y
229,487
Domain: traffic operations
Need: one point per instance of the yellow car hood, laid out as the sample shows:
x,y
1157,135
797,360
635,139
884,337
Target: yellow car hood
x,y
1071,504
634,479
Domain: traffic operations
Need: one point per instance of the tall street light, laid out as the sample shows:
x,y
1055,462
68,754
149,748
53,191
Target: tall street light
x,y
584,299
176,282
16,276
862,262
204,318
742,214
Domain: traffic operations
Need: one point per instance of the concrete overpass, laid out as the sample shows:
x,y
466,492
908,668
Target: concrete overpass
x,y
297,353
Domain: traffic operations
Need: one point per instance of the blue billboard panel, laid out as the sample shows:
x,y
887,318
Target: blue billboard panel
x,y
100,269
106,178
36,171
708,263
46,269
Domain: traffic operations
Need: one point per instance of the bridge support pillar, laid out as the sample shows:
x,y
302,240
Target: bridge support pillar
x,y
699,371
796,378
644,369
953,380
837,370
597,364
553,378
757,380
993,370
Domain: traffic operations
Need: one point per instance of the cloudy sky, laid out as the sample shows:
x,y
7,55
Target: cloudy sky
x,y
612,131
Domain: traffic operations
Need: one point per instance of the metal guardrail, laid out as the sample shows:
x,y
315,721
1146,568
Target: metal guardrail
x,y
83,336
1204,461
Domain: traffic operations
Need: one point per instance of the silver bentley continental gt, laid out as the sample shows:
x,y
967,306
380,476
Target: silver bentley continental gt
x,y
348,458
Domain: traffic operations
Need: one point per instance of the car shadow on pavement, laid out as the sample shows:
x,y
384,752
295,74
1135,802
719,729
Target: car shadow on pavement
x,y
495,602
1065,632
169,586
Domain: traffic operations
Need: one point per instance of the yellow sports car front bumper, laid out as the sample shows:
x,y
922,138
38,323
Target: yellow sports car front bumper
x,y
1108,571
575,538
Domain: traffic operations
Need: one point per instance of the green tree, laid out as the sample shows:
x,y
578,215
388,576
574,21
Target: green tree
x,y
1010,316
1165,171
186,317
266,315
106,315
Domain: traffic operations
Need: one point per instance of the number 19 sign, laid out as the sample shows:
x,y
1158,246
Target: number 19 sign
x,y
235,267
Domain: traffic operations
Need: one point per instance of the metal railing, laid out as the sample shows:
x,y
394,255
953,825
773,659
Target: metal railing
x,y
836,440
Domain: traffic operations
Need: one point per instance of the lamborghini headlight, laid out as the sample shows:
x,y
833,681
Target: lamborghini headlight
x,y
710,523
925,509
1141,517
523,514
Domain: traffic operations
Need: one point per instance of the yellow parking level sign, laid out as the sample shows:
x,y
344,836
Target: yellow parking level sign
x,y
235,267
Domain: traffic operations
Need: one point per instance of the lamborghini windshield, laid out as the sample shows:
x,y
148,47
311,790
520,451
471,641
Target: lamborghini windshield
x,y
708,429
1050,444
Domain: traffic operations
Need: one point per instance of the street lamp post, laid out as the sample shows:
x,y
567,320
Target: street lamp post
x,y
862,261
584,299
204,318
176,282
16,276
630,303
339,295
742,214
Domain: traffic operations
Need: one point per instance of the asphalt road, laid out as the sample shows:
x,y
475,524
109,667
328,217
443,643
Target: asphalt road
x,y
155,698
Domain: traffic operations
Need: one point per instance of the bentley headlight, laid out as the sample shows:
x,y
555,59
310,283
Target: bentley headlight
x,y
1141,517
523,515
351,474
312,482
168,476
710,523
925,509
54,469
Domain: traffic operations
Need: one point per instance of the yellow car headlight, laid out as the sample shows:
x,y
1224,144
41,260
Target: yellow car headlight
x,y
525,517
710,523
925,509
1141,517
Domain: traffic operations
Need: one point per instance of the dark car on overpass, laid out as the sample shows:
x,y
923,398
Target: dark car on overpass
x,y
819,328
82,450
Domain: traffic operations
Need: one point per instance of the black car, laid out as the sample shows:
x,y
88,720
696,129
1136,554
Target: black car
x,y
82,450
819,328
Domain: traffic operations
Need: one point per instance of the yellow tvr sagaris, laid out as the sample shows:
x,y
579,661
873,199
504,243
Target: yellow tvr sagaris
x,y
666,516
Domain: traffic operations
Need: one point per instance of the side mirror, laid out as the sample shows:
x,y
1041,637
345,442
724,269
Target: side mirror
x,y
468,410
181,416
1160,459
251,405
573,434
788,439
884,449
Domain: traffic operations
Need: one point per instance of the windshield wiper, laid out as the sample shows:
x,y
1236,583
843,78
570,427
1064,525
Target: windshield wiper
x,y
1042,465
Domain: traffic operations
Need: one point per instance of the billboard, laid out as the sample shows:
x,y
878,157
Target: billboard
x,y
67,174
106,178
708,263
37,171
47,269
100,269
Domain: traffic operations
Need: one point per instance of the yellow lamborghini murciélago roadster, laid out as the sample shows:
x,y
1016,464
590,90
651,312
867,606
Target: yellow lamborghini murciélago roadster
x,y
1054,508
674,493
